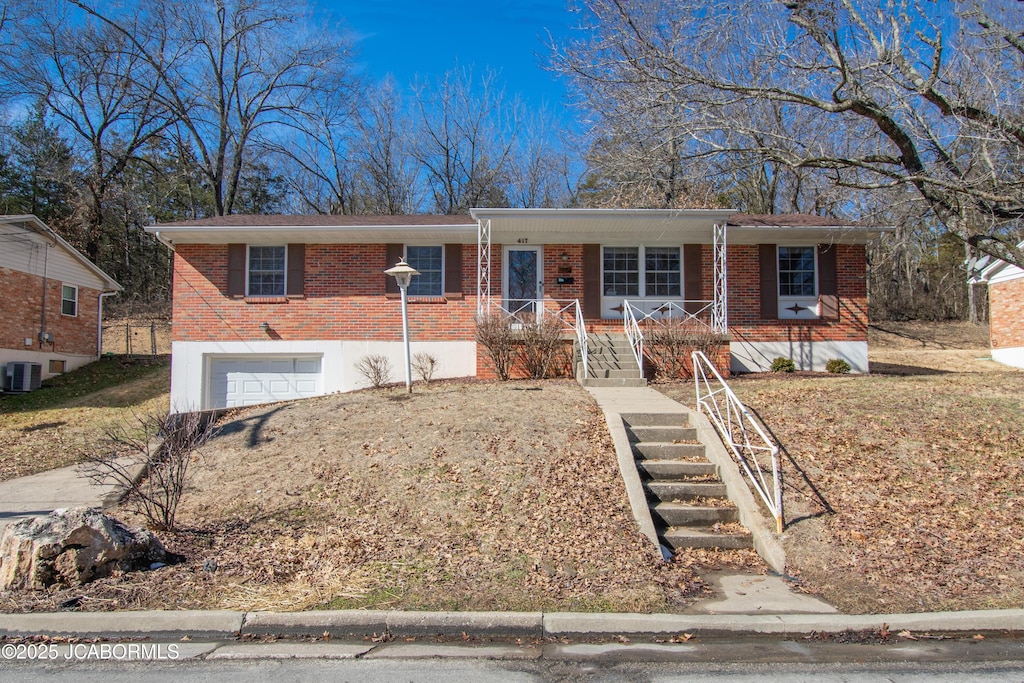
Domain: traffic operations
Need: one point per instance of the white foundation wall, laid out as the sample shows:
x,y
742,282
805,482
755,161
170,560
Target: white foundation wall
x,y
758,356
1013,356
190,363
71,361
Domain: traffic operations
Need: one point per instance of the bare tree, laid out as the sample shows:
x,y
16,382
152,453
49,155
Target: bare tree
x,y
94,79
465,140
385,153
869,95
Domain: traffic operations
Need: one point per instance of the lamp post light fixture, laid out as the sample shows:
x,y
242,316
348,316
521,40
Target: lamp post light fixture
x,y
403,273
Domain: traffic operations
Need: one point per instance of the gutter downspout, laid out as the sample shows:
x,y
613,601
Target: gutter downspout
x,y
42,320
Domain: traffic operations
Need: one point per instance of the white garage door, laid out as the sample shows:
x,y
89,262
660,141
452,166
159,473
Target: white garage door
x,y
248,381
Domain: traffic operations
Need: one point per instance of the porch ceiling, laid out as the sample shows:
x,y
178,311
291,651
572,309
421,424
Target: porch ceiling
x,y
602,226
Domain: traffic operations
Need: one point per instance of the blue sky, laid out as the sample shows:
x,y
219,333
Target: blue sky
x,y
425,38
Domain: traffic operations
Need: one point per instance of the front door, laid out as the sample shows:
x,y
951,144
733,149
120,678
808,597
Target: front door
x,y
523,282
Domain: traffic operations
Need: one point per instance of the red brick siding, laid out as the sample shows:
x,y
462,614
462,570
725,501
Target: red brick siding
x,y
20,315
1006,314
746,324
344,299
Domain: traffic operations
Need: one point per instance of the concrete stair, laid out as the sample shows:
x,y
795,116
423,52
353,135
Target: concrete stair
x,y
610,363
688,501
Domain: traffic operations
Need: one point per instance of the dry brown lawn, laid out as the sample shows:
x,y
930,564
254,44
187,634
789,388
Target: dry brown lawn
x,y
465,495
904,488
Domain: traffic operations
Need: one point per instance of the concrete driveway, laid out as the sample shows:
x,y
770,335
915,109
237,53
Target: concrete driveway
x,y
40,494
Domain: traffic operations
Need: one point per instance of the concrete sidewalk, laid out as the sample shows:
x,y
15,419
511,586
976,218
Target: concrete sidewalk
x,y
40,494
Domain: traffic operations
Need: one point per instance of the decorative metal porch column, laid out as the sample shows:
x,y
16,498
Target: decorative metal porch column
x,y
483,267
719,306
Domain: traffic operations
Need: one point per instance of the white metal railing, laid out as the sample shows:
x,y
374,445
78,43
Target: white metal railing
x,y
567,311
634,317
740,432
634,334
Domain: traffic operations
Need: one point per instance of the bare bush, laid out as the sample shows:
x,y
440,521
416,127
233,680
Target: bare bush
x,y
376,369
148,459
671,342
494,332
425,365
541,346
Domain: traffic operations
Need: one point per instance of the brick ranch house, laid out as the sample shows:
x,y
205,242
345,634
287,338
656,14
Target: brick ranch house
x,y
273,307
1006,308
52,308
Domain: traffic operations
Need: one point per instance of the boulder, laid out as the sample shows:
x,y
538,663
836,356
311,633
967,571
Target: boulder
x,y
72,547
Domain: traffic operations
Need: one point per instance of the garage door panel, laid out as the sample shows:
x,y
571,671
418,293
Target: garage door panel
x,y
250,381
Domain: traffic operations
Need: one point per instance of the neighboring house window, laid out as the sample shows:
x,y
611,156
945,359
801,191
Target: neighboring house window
x,y
69,300
661,271
429,261
796,272
266,271
621,271
659,277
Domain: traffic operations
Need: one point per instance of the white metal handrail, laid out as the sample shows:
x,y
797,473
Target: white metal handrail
x,y
634,334
740,432
661,312
567,311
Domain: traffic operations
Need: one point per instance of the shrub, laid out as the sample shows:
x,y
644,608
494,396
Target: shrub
x,y
837,366
781,364
376,369
425,365
541,343
161,447
494,332
671,342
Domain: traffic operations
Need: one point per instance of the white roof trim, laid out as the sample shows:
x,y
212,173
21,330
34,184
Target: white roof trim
x,y
109,284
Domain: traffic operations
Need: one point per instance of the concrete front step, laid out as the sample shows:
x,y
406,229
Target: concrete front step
x,y
669,491
604,373
661,434
655,450
675,470
679,514
690,537
656,419
614,382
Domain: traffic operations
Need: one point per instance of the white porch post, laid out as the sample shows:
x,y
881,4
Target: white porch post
x,y
483,267
719,307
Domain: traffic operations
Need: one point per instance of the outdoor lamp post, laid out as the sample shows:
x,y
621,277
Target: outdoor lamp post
x,y
403,273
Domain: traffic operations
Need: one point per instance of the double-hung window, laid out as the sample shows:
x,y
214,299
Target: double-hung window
x,y
266,271
654,271
69,300
798,282
429,261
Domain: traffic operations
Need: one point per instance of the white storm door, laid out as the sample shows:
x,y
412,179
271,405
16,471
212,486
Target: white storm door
x,y
522,279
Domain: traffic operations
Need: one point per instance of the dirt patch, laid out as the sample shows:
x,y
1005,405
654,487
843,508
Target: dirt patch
x,y
137,336
466,496
904,491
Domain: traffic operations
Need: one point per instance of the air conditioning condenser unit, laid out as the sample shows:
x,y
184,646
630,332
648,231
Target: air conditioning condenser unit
x,y
21,376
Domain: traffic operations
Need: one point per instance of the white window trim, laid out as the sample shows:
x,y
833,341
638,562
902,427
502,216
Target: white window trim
x,y
62,300
405,253
810,303
248,247
642,275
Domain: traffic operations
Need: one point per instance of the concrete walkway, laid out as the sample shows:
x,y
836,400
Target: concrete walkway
x,y
736,593
43,493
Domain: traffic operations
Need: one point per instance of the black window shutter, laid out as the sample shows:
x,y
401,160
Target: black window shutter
x,y
591,281
693,278
393,253
236,270
453,269
769,263
828,288
296,279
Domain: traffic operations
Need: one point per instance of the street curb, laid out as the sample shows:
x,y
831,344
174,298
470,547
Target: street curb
x,y
150,623
367,624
